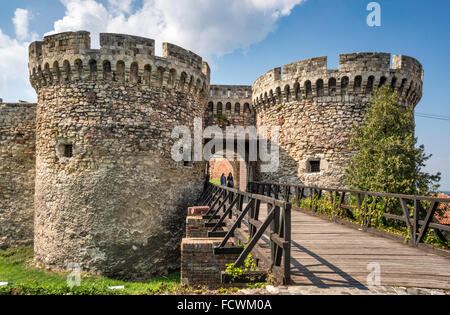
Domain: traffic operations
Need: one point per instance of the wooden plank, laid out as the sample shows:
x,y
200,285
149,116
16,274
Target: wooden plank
x,y
328,252
386,266
360,281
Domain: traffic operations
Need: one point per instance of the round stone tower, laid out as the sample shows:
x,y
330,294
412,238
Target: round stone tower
x,y
109,196
316,109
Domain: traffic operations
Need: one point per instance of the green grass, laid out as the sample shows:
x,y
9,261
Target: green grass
x,y
15,267
215,181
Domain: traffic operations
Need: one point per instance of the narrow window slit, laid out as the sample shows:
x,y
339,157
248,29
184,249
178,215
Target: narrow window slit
x,y
68,150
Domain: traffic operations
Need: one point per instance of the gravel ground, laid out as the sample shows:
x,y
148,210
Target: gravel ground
x,y
305,290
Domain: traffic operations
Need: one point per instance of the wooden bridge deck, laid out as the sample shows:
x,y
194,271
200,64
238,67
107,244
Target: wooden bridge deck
x,y
328,255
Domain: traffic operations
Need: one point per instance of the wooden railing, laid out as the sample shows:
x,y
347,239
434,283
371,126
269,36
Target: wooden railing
x,y
239,214
417,217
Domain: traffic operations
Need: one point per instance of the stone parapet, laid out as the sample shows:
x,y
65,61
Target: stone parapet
x,y
359,74
230,105
68,57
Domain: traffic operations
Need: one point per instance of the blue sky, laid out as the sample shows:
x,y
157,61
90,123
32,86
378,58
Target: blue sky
x,y
251,39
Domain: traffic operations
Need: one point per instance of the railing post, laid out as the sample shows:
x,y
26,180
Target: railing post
x,y
287,237
223,195
366,213
297,193
288,192
211,197
240,208
255,216
415,221
260,189
274,228
427,221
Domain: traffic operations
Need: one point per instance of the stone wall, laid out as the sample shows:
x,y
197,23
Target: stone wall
x,y
17,173
230,105
316,109
108,193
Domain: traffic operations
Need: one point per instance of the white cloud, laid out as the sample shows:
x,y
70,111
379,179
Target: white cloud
x,y
208,27
283,7
82,15
14,82
121,5
21,20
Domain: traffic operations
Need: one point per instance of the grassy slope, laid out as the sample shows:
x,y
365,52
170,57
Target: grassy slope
x,y
15,268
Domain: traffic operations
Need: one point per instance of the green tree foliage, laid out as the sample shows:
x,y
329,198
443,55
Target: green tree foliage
x,y
388,159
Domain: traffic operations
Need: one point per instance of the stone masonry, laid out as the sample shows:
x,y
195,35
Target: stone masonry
x,y
17,173
230,105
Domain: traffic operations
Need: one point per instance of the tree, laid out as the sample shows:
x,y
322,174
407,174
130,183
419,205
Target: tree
x,y
388,159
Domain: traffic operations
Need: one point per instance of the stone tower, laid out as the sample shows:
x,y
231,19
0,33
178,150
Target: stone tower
x,y
108,195
316,109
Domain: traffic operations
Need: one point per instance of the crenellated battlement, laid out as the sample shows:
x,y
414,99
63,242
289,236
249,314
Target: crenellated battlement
x,y
231,92
68,57
233,102
359,74
121,44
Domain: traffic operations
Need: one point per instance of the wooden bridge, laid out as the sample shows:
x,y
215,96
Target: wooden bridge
x,y
303,248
